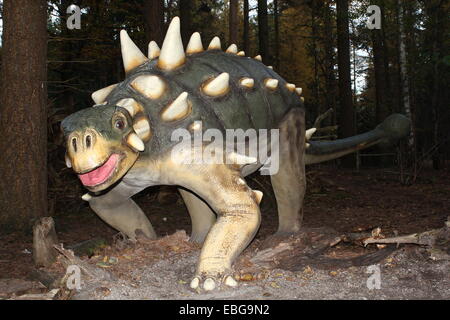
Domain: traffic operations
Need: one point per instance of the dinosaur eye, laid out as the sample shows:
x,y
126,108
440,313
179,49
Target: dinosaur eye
x,y
119,124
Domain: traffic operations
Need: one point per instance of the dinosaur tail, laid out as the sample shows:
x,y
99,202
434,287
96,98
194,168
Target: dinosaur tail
x,y
393,128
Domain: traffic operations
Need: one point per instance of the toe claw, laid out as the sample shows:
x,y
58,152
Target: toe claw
x,y
195,283
209,284
231,282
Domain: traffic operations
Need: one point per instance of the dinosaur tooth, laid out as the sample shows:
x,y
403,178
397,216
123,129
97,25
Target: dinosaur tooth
x,y
172,53
131,55
241,53
135,142
153,50
178,109
290,87
195,44
271,83
247,82
217,86
302,98
258,195
86,197
132,106
298,91
232,49
141,126
215,44
258,57
99,96
150,86
309,133
68,162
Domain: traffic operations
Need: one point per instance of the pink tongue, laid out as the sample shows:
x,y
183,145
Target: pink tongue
x,y
101,174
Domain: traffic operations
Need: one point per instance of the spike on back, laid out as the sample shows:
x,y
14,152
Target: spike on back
x,y
99,96
153,50
131,55
217,86
172,53
232,49
178,109
150,86
195,44
215,44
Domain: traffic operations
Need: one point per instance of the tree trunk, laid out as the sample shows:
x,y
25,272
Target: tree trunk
x,y
23,114
404,77
330,76
233,22
246,40
276,24
154,20
186,20
44,240
346,115
263,32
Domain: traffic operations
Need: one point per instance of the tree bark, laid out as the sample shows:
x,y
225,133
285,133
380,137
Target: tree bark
x,y
186,19
23,114
346,115
233,21
154,20
263,32
276,24
44,240
404,77
246,40
330,76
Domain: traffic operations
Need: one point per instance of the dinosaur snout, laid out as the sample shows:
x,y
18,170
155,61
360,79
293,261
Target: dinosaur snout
x,y
82,141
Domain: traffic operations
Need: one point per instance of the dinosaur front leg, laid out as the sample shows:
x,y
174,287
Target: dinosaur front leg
x,y
118,210
237,208
202,217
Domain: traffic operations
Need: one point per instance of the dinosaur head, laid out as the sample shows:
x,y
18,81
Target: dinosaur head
x,y
103,143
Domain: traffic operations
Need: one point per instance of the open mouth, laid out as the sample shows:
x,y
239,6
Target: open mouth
x,y
100,174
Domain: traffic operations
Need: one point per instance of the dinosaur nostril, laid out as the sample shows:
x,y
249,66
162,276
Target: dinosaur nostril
x,y
74,144
88,141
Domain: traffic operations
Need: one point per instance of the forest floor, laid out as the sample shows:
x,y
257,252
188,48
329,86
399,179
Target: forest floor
x,y
338,201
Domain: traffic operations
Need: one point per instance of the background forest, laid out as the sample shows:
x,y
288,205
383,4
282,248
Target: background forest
x,y
48,71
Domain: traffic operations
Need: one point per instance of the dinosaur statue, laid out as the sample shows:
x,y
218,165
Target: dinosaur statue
x,y
124,144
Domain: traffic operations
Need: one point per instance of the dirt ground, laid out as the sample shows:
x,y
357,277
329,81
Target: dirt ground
x,y
344,201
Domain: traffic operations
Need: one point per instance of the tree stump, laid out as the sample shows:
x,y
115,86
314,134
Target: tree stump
x,y
44,238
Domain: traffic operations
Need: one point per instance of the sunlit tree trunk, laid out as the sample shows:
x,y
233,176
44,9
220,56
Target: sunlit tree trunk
x,y
346,112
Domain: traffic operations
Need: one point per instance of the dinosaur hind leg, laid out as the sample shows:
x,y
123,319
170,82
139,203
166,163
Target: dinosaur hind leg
x,y
202,217
289,182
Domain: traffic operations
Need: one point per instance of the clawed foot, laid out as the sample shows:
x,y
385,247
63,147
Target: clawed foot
x,y
210,283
